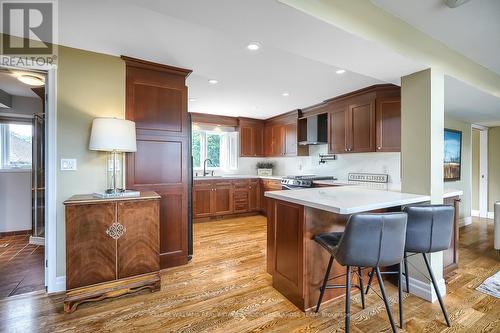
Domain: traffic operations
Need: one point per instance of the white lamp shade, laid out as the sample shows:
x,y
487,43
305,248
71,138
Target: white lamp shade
x,y
111,134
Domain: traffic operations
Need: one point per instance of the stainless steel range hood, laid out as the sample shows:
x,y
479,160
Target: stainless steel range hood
x,y
316,130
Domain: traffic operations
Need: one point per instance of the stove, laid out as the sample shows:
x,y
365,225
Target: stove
x,y
303,181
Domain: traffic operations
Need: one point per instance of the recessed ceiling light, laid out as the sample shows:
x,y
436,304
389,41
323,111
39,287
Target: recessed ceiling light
x,y
340,71
285,94
213,81
254,46
31,80
192,99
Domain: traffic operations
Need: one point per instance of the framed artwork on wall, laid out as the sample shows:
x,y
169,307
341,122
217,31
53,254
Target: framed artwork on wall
x,y
452,154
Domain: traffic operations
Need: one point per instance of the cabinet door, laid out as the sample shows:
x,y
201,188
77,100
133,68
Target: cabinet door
x,y
90,252
258,140
246,141
268,141
139,247
361,129
290,139
223,198
337,125
388,118
253,196
278,140
202,200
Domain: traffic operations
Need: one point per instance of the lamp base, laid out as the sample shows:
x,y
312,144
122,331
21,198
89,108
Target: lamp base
x,y
110,193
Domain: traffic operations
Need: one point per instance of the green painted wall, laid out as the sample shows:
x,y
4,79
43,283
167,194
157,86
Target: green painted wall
x,y
493,167
89,85
475,168
465,181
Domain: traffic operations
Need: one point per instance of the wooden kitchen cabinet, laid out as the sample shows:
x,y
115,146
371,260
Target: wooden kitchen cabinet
x,y
281,136
254,195
450,256
112,247
267,185
367,120
212,198
251,137
388,118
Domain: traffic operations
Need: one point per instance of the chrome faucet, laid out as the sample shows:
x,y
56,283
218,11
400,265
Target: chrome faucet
x,y
205,173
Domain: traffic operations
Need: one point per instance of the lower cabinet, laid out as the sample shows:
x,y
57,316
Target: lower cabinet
x,y
450,256
267,185
112,247
218,198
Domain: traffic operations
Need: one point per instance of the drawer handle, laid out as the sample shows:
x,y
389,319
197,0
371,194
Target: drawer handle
x,y
116,230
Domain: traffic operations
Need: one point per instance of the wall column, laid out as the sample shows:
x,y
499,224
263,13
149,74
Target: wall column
x,y
422,155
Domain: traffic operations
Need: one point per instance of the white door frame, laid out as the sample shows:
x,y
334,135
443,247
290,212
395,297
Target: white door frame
x,y
50,169
483,169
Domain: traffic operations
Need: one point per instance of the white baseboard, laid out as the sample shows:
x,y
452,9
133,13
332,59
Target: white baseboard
x,y
465,221
425,290
475,213
491,215
60,284
37,241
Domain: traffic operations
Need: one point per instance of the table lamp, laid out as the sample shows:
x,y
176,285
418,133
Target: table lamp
x,y
114,136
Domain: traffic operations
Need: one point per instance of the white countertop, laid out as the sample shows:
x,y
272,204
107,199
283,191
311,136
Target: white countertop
x,y
351,199
448,192
237,177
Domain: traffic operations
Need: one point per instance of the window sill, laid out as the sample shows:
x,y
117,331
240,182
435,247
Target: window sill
x,y
13,170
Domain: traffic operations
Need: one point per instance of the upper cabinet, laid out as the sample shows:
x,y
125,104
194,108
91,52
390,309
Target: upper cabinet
x,y
368,120
251,137
281,136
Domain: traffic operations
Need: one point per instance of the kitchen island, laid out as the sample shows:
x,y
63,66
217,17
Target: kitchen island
x,y
296,262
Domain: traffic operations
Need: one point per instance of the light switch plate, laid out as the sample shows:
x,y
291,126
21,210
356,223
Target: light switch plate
x,y
68,164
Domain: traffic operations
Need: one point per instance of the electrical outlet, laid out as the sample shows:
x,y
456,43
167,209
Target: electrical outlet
x,y
68,164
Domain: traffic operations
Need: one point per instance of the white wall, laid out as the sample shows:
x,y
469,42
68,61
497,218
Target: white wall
x,y
386,163
15,200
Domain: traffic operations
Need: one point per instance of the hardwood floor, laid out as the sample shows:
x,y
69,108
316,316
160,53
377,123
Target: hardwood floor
x,y
21,266
226,289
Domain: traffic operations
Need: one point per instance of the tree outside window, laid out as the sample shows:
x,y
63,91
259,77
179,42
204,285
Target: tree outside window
x,y
218,146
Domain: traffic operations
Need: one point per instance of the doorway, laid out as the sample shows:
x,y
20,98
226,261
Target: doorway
x,y
480,171
22,179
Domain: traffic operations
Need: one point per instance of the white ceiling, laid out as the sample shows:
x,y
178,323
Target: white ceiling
x,y
11,85
299,54
472,29
470,104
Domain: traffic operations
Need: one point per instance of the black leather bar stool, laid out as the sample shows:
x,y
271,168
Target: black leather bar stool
x,y
369,240
430,228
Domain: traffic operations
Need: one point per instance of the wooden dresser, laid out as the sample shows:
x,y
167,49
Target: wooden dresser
x,y
112,247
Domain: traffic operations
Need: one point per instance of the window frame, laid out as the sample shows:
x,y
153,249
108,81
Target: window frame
x,y
5,145
227,146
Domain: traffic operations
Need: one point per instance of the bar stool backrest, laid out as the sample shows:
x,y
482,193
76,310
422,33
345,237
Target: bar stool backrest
x,y
372,240
429,228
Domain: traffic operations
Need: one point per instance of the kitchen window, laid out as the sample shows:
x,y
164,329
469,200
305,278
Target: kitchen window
x,y
15,146
219,145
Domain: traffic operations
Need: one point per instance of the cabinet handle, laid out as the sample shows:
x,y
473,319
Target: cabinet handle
x,y
345,149
116,230
379,147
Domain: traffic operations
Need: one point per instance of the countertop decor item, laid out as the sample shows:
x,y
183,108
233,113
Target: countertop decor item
x,y
114,136
265,168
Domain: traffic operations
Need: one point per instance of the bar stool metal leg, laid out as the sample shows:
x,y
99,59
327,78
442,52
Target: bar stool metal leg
x,y
400,294
371,274
384,296
434,283
360,276
325,281
348,299
407,276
